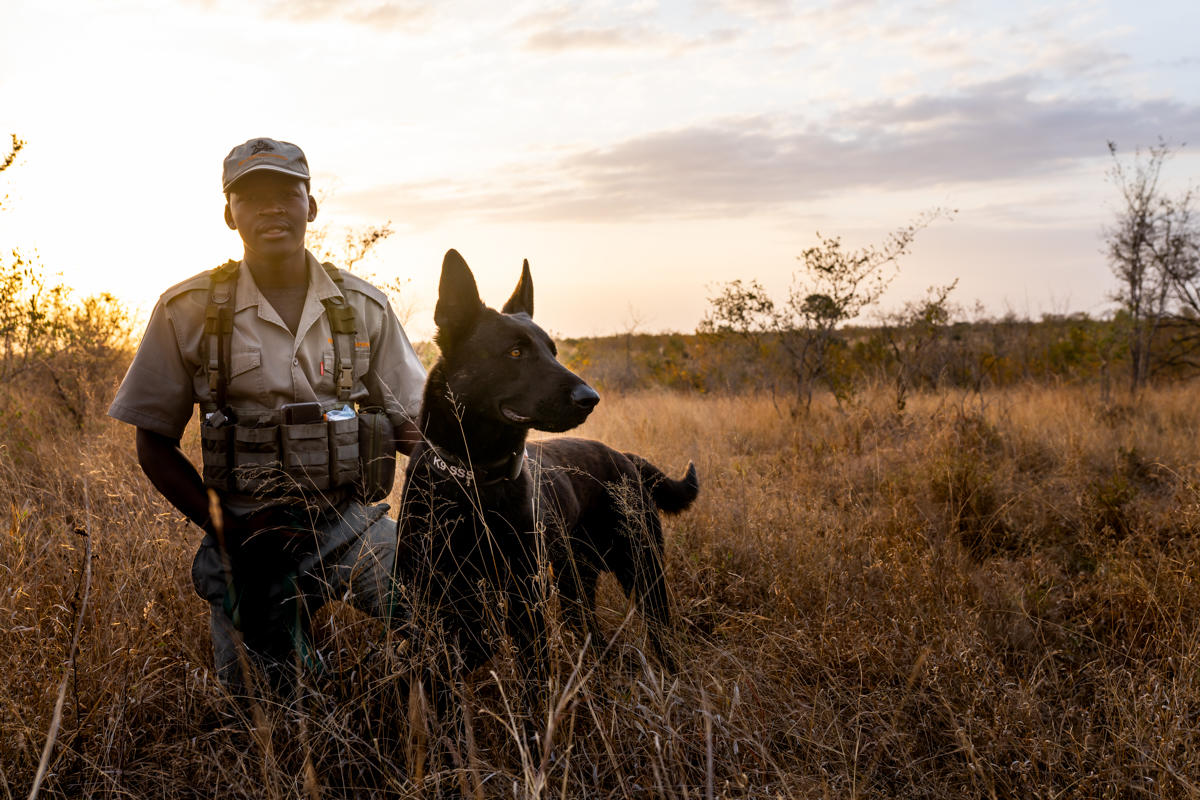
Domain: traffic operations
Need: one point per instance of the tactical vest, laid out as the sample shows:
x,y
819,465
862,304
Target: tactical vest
x,y
265,455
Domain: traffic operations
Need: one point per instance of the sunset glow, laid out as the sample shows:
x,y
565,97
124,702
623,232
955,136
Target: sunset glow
x,y
636,153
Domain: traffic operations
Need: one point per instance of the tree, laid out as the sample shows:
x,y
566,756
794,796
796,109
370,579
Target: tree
x,y
1152,249
53,344
17,146
833,286
1181,244
348,246
355,245
912,335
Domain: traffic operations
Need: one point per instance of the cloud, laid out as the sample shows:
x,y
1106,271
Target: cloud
x,y
384,14
832,12
562,30
994,132
1080,60
757,9
559,39
1186,62
562,39
566,39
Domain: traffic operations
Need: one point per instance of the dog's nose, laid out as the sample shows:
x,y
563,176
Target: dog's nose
x,y
584,396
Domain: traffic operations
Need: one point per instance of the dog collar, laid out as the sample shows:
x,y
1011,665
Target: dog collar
x,y
504,469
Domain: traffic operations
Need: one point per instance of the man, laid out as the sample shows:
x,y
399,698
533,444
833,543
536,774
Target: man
x,y
277,351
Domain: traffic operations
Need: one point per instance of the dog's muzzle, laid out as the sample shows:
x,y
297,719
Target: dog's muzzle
x,y
584,397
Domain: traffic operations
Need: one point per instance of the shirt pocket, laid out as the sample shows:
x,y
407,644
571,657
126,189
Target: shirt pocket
x,y
362,359
246,379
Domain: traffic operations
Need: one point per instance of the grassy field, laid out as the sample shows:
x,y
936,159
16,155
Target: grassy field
x,y
991,595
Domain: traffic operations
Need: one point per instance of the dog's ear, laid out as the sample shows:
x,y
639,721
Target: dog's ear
x,y
522,297
458,297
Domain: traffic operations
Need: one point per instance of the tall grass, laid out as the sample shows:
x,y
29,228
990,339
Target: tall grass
x,y
989,595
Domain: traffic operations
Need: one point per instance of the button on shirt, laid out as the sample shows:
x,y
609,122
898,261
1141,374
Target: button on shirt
x,y
168,376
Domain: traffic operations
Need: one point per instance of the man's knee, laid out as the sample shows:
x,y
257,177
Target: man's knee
x,y
367,568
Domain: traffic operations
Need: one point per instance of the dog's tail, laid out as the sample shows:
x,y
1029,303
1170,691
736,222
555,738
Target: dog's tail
x,y
670,495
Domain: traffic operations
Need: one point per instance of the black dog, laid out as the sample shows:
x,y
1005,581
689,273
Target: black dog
x,y
482,511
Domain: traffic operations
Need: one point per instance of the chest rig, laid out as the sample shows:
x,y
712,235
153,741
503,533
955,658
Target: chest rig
x,y
218,334
268,456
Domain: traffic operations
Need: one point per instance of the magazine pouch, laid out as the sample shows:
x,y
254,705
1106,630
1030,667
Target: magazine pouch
x,y
343,451
216,450
305,449
257,466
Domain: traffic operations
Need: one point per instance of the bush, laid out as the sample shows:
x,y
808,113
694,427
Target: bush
x,y
59,357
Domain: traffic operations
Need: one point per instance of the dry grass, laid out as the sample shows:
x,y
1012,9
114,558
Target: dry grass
x,y
989,596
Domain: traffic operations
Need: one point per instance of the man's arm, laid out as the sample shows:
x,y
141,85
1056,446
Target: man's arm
x,y
173,475
407,436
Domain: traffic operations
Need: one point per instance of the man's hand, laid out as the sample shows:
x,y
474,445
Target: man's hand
x,y
407,436
174,476
177,480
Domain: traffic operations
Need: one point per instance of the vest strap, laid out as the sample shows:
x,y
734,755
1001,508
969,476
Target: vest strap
x,y
218,330
343,330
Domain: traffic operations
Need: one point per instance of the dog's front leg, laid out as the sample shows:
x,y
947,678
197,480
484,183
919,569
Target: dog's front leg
x,y
576,583
527,626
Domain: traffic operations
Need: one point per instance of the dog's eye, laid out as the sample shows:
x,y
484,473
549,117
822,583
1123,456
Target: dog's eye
x,y
515,352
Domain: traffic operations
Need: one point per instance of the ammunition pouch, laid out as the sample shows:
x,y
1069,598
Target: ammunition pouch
x,y
256,459
305,449
344,446
267,458
216,451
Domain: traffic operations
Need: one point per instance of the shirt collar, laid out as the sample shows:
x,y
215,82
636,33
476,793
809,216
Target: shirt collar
x,y
320,287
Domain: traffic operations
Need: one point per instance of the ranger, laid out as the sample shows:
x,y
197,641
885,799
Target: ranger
x,y
306,386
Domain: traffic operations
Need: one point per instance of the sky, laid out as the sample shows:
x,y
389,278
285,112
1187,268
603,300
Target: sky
x,y
638,153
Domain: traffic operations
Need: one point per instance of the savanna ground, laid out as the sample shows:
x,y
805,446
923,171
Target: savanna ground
x,y
991,594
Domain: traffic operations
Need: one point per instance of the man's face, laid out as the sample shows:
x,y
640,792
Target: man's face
x,y
271,212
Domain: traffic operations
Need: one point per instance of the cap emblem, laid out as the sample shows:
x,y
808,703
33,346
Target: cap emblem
x,y
263,153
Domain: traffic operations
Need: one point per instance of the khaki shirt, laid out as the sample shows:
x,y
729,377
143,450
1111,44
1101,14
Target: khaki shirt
x,y
269,366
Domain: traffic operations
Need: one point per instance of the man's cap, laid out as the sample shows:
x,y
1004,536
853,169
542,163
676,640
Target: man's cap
x,y
263,154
